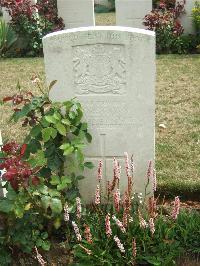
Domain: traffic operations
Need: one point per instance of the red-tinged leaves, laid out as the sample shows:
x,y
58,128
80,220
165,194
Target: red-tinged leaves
x,y
35,181
23,149
7,99
18,172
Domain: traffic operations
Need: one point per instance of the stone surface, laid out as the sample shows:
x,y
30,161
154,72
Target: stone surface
x,y
76,13
111,71
130,13
186,19
6,15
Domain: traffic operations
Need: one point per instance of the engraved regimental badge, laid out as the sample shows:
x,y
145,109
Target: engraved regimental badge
x,y
99,69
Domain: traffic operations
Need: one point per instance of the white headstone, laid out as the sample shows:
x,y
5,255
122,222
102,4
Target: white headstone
x,y
6,16
186,18
111,71
76,13
131,13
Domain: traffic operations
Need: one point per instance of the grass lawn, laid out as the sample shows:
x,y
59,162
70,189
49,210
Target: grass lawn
x,y
177,106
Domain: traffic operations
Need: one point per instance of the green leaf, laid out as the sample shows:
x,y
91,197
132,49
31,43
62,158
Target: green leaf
x,y
51,119
35,131
62,186
44,122
68,151
46,134
56,206
55,180
46,202
66,122
33,146
54,193
6,206
53,133
79,156
89,165
57,116
88,137
84,126
38,160
61,129
66,179
65,146
57,223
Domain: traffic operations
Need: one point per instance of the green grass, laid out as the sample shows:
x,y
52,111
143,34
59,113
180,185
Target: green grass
x,y
177,106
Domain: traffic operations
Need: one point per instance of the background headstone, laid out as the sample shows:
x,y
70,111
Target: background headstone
x,y
111,71
76,13
131,13
186,19
6,15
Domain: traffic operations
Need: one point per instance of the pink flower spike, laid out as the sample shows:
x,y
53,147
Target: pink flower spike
x,y
39,258
108,227
176,208
100,170
134,248
119,244
66,213
116,169
143,223
97,196
152,226
127,166
78,208
119,224
77,232
116,197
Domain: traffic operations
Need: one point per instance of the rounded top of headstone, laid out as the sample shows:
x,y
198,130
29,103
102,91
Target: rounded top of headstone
x,y
102,28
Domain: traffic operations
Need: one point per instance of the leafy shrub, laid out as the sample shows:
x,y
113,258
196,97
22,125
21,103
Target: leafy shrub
x,y
32,22
38,181
7,37
164,21
196,17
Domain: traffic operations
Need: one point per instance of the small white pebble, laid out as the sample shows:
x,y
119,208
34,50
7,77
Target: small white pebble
x,y
163,126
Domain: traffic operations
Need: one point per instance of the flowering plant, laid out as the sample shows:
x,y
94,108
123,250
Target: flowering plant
x,y
32,22
164,21
124,228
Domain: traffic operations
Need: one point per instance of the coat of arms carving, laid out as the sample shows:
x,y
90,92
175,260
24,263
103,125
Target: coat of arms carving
x,y
99,69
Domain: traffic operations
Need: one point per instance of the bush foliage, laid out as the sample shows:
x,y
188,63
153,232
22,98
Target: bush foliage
x,y
170,37
32,22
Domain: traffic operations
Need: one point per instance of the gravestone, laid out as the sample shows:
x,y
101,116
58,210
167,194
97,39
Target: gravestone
x,y
131,13
6,16
111,71
186,18
76,13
